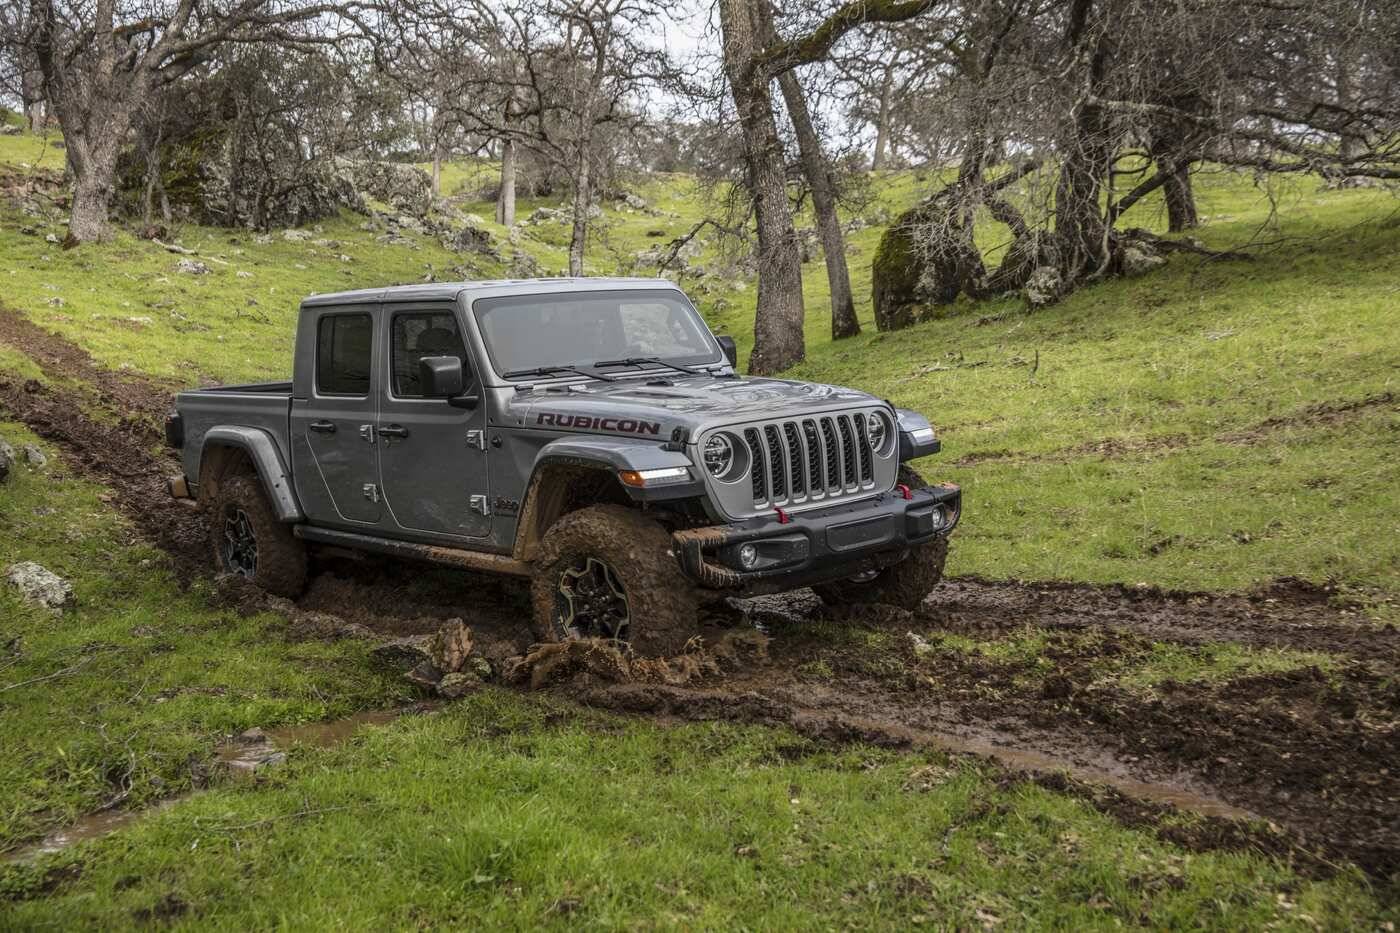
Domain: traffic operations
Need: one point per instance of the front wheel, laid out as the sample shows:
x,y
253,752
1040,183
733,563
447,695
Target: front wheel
x,y
247,540
607,572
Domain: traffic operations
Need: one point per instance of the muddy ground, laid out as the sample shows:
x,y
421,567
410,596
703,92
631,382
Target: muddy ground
x,y
1303,763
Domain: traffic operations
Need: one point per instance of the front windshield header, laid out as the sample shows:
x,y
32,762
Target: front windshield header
x,y
582,329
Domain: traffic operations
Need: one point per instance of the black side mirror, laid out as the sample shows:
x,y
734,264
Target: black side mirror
x,y
440,376
731,350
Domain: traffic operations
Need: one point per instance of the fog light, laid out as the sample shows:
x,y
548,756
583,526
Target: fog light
x,y
748,556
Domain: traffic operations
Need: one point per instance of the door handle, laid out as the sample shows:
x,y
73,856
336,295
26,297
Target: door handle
x,y
393,430
322,427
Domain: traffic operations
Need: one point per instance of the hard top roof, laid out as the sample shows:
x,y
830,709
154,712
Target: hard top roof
x,y
447,291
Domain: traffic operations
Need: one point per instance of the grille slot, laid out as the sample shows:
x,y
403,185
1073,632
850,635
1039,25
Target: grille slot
x,y
809,459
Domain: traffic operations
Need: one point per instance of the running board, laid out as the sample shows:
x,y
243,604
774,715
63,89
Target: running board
x,y
431,553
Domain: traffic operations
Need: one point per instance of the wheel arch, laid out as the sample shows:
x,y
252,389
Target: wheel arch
x,y
560,485
230,451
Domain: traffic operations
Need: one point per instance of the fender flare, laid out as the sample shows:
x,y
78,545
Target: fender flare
x,y
262,450
603,454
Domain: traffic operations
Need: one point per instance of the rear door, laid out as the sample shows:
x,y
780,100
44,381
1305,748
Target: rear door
x,y
432,457
332,428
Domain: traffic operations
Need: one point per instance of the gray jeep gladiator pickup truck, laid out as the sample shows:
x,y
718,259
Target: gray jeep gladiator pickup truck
x,y
590,434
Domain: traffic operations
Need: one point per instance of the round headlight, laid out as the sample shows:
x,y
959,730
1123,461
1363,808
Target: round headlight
x,y
718,454
877,431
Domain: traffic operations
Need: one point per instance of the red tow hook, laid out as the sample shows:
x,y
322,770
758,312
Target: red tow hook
x,y
905,491
783,517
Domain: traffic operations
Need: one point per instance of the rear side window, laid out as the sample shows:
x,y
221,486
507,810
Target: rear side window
x,y
421,334
343,345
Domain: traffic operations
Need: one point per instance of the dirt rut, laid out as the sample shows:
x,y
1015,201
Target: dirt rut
x,y
1316,753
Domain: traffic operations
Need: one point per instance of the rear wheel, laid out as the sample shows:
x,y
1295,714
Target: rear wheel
x,y
905,584
607,572
247,540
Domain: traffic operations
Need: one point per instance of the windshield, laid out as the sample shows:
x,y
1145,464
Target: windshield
x,y
585,328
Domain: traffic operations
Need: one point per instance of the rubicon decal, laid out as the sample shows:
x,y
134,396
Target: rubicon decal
x,y
589,423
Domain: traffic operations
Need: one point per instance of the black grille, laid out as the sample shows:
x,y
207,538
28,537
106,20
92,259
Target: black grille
x,y
777,471
816,458
796,462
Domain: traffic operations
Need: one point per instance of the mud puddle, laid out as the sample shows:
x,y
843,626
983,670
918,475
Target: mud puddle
x,y
257,749
93,826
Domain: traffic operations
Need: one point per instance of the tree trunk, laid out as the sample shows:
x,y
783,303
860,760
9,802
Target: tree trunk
x,y
778,339
505,197
1080,235
581,204
31,92
437,170
882,119
1181,199
94,168
814,166
818,175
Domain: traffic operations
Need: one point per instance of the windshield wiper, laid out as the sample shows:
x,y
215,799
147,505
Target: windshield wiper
x,y
552,370
639,360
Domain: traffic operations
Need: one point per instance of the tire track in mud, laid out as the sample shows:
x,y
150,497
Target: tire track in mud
x,y
1317,754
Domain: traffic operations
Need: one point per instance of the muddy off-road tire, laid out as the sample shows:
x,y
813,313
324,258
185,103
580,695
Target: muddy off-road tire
x,y
904,585
607,572
246,539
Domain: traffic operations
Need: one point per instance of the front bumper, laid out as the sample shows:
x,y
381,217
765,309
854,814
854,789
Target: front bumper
x,y
800,549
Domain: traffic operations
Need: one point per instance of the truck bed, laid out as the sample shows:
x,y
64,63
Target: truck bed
x,y
266,406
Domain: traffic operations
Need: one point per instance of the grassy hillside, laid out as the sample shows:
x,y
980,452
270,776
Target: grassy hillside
x,y
1214,425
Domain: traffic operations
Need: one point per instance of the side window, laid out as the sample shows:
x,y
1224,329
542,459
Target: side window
x,y
416,335
343,345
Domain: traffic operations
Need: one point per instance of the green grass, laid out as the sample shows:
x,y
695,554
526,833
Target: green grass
x,y
522,814
1035,653
1219,662
122,698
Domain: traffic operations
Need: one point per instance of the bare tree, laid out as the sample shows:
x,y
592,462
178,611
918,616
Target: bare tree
x,y
102,61
751,63
552,77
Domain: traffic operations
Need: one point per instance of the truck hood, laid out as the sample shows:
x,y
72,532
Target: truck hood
x,y
694,402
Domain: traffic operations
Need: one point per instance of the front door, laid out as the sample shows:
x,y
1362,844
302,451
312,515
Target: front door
x,y
332,429
432,457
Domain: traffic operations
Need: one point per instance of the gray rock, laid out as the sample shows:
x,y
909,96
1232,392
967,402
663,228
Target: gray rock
x,y
479,667
451,646
191,267
6,461
253,736
35,457
424,675
405,188
40,586
295,236
10,129
473,239
1139,259
635,202
50,238
405,653
542,215
458,684
1043,287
